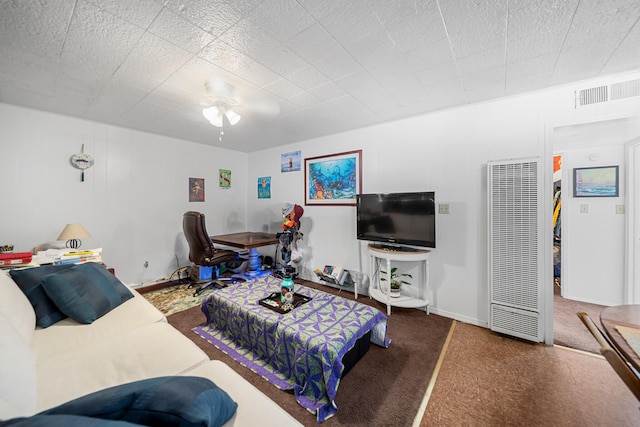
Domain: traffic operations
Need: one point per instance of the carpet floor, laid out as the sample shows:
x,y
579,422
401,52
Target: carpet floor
x,y
487,379
481,379
568,329
385,387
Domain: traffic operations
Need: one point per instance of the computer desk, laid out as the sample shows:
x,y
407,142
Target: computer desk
x,y
248,240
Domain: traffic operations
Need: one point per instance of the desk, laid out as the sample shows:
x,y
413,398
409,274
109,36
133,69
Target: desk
x,y
622,315
248,240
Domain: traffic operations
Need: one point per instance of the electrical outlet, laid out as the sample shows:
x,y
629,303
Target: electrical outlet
x,y
443,208
620,209
584,208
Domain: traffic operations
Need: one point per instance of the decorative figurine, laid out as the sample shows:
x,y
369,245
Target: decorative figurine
x,y
289,236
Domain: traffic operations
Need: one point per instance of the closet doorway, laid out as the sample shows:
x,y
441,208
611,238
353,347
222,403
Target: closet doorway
x,y
590,232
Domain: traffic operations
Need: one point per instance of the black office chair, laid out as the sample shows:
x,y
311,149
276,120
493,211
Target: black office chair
x,y
201,249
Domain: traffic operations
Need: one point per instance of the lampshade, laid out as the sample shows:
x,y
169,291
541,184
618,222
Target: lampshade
x,y
214,115
232,116
72,233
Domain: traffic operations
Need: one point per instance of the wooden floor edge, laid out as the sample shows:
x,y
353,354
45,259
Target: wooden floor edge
x,y
575,350
427,395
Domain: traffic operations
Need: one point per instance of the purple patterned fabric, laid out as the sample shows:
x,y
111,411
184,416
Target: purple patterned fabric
x,y
301,350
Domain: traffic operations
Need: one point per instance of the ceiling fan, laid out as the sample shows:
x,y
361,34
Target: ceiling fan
x,y
222,105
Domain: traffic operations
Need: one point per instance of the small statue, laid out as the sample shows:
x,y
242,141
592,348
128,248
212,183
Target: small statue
x,y
290,232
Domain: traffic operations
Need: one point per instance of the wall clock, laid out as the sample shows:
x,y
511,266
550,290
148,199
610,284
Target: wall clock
x,y
82,161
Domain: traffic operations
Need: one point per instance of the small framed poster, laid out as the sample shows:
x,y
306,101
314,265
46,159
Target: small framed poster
x,y
290,162
264,187
601,181
196,189
224,176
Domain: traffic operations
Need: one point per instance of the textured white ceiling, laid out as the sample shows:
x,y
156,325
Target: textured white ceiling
x,y
328,65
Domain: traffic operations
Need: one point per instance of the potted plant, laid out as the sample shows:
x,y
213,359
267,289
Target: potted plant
x,y
396,281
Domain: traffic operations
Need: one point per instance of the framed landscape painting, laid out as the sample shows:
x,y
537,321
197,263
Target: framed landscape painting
x,y
599,181
334,179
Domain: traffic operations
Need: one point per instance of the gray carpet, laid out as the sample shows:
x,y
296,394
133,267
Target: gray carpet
x,y
568,329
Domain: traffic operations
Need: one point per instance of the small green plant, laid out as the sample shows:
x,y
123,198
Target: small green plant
x,y
396,279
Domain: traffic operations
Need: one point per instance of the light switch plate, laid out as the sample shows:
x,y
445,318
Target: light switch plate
x,y
443,208
620,209
584,208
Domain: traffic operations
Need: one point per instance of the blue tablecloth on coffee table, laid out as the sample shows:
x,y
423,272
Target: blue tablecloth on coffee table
x,y
300,350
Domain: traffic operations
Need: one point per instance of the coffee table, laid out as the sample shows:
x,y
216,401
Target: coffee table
x,y
301,350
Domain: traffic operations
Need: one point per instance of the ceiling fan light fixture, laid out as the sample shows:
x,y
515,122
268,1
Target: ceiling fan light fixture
x,y
232,116
214,115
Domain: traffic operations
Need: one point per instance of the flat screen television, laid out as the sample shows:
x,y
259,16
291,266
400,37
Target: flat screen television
x,y
397,218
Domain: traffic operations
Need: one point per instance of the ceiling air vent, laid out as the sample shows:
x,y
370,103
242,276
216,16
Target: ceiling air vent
x,y
592,95
625,89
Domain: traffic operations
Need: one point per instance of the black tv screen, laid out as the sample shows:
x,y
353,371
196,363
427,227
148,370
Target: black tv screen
x,y
397,218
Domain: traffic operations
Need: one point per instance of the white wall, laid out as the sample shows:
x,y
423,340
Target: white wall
x,y
132,200
446,152
593,241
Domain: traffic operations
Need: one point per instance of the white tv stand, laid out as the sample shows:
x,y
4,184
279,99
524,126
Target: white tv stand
x,y
380,290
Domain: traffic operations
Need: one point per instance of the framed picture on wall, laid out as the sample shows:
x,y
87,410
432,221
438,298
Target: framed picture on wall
x,y
196,189
290,162
334,179
601,181
264,187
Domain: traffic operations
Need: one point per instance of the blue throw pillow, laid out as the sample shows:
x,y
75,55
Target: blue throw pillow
x,y
159,402
29,280
86,291
63,421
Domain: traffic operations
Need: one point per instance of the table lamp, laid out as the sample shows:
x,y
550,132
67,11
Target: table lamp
x,y
72,233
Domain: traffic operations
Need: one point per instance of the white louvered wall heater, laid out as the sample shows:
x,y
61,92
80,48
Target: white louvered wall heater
x,y
515,264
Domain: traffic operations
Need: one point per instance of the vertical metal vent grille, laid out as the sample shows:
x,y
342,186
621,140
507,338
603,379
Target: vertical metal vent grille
x,y
592,95
514,235
626,89
514,260
519,323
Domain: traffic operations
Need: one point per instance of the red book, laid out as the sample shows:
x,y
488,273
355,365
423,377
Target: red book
x,y
15,258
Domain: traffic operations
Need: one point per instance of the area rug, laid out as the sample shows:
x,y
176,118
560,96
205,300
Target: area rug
x,y
174,299
386,387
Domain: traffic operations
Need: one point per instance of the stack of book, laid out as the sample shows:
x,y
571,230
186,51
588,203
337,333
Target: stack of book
x,y
335,275
79,257
15,259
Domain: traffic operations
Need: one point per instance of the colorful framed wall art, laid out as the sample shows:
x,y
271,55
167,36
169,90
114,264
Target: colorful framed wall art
x,y
333,179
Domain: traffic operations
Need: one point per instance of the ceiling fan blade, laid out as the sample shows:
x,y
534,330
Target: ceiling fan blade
x,y
219,88
264,108
205,102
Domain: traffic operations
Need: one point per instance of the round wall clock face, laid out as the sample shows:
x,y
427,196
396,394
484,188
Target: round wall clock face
x,y
82,161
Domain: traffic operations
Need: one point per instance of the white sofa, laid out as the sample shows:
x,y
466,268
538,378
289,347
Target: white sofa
x,y
42,368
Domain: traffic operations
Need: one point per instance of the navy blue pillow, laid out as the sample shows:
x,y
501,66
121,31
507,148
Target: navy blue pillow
x,y
63,421
159,402
29,280
86,291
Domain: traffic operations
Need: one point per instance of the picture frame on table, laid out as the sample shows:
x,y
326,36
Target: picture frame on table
x,y
598,181
334,179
